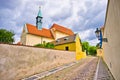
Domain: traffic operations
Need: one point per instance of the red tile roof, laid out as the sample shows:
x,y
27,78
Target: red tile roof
x,y
46,32
43,32
62,29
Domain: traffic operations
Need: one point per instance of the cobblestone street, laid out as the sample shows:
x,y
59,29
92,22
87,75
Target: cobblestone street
x,y
83,70
90,68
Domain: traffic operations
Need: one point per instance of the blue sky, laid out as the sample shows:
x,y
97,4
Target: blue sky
x,y
82,16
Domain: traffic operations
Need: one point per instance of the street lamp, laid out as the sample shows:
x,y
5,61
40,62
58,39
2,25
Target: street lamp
x,y
98,33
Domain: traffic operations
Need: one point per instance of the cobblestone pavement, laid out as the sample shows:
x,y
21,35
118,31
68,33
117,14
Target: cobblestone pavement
x,y
87,72
103,72
85,69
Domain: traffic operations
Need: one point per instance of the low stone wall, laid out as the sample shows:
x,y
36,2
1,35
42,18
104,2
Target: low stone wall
x,y
17,62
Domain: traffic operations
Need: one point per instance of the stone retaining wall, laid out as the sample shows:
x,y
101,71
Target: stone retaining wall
x,y
17,62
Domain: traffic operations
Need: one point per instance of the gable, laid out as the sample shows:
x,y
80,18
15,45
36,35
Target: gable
x,y
64,40
62,29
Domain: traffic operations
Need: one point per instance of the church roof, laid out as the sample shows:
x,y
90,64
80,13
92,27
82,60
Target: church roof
x,y
64,40
62,29
47,32
43,32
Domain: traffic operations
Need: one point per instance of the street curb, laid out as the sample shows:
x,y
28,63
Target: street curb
x,y
96,73
47,73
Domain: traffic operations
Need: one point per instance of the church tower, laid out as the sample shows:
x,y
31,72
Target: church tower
x,y
39,20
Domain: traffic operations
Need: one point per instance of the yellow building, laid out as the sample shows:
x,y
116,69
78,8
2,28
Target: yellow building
x,y
70,43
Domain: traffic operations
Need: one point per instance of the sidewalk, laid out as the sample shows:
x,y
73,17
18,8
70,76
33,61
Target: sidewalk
x,y
103,72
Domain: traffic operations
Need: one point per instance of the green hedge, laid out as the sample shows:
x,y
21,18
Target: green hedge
x,y
45,45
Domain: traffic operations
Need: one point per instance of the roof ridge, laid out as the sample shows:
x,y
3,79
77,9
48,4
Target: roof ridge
x,y
67,36
61,26
35,26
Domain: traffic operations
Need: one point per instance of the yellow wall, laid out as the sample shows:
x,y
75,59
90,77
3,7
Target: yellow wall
x,y
100,52
76,46
60,34
33,39
72,46
79,53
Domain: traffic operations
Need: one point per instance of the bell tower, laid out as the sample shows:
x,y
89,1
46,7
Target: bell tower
x,y
39,20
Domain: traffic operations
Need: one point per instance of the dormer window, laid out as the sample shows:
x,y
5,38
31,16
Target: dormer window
x,y
65,39
57,40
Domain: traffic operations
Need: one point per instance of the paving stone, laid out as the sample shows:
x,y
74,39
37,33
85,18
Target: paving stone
x,y
103,72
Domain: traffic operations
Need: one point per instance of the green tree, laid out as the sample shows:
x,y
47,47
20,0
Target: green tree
x,y
92,50
97,46
85,46
6,36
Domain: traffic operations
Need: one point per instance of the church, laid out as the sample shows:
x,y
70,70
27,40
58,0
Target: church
x,y
62,37
32,35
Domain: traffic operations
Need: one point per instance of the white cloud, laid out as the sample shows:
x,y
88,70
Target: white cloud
x,y
87,34
82,16
93,42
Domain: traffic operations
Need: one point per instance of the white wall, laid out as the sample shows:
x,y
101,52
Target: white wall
x,y
33,39
60,34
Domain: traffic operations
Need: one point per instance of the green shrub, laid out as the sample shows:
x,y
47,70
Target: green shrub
x,y
38,45
49,45
45,45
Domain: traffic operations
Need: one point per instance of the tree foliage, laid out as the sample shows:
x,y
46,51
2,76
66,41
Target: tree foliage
x,y
98,46
6,36
90,50
85,46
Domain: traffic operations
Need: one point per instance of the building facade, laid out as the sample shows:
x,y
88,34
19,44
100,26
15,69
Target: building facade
x,y
62,37
70,43
111,32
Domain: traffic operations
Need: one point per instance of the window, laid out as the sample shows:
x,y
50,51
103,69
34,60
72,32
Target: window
x,y
57,40
65,38
66,48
